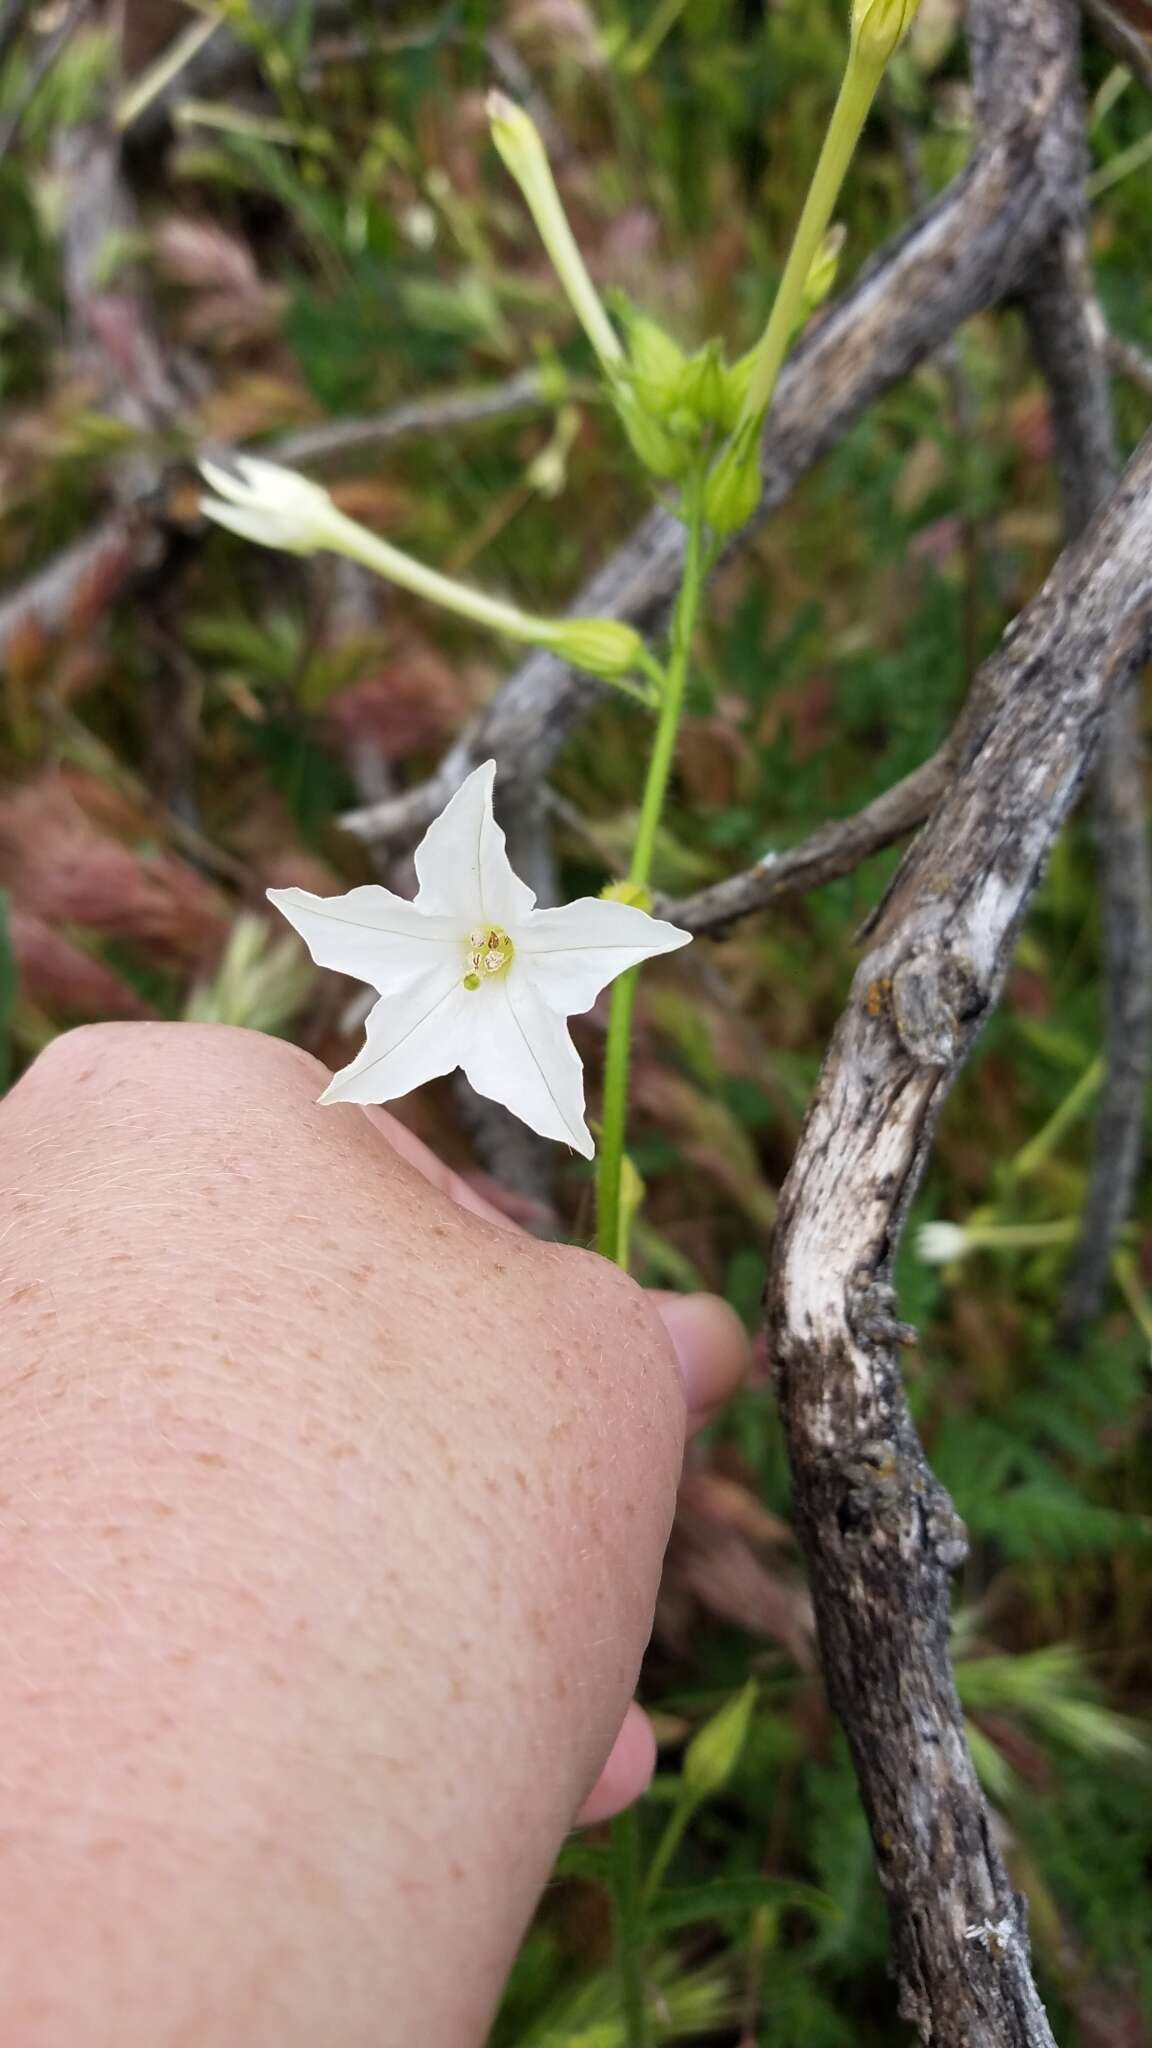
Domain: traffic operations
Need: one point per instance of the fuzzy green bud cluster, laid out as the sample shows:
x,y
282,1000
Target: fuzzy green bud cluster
x,y
673,405
880,26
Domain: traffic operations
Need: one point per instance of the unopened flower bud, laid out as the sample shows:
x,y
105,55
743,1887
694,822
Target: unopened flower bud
x,y
661,452
518,140
603,646
715,1750
703,391
880,26
732,491
940,1244
656,364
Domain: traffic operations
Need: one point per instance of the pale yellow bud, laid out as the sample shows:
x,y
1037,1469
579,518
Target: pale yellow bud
x,y
880,26
520,145
715,1750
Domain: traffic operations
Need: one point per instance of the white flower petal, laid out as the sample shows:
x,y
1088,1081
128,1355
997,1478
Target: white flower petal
x,y
575,951
372,935
412,1038
250,481
267,529
462,867
518,1052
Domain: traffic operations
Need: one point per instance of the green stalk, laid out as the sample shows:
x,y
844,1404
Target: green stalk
x,y
669,1842
611,1231
611,1222
1036,1152
629,1927
858,89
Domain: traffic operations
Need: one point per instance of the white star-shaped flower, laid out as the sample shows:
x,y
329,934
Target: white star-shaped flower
x,y
471,974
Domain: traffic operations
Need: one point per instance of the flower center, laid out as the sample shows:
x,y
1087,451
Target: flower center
x,y
489,953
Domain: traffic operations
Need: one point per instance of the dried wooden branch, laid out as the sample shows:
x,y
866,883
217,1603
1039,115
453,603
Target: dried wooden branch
x,y
971,249
834,850
102,563
1069,341
217,61
439,414
1123,39
117,343
880,1536
1130,361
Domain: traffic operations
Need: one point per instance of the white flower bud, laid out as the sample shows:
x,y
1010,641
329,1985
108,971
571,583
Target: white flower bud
x,y
938,1244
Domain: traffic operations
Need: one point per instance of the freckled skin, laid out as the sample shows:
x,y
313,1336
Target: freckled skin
x,y
332,1529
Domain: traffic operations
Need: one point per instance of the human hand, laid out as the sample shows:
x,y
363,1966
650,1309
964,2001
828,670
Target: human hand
x,y
712,1353
335,1510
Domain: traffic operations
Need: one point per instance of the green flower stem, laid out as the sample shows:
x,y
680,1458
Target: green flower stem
x,y
629,1928
611,1218
1038,1149
858,90
358,544
1035,1154
674,1832
611,1227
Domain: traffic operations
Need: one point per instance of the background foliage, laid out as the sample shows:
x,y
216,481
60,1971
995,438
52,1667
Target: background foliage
x,y
335,238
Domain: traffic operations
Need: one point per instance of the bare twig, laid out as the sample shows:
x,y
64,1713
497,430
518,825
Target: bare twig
x,y
102,563
438,414
834,850
116,341
1130,361
880,1536
1123,39
969,251
1069,341
217,61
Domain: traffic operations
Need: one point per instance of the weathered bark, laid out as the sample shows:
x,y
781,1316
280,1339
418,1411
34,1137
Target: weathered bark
x,y
1070,344
880,1536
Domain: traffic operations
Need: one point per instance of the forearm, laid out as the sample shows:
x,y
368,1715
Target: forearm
x,y
277,1636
